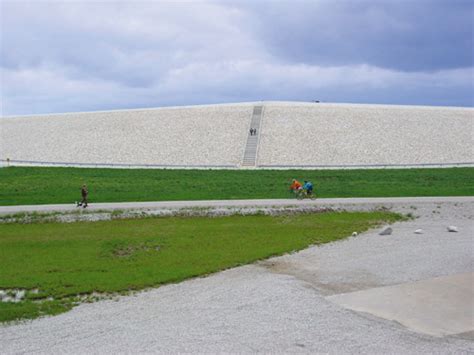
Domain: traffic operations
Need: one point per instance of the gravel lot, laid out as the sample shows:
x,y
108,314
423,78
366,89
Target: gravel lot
x,y
279,305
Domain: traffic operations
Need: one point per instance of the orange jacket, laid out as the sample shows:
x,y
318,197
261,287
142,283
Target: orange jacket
x,y
295,185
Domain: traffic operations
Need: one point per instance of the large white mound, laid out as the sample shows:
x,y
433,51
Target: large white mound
x,y
190,136
289,134
343,134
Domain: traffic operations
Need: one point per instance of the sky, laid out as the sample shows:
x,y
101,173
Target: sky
x,y
65,56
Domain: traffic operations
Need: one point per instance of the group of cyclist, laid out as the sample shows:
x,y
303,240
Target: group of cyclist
x,y
302,190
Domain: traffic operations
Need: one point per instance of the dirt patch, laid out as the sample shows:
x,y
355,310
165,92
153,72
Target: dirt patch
x,y
314,278
124,251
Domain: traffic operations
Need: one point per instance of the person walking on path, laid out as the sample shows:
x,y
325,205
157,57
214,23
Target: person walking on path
x,y
84,194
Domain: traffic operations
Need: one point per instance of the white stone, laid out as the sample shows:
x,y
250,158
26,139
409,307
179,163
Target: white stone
x,y
453,229
419,231
9,299
354,234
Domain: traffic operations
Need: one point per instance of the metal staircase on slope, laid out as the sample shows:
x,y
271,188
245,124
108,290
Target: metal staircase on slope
x,y
250,154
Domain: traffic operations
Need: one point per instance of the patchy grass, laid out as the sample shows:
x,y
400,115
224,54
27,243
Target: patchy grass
x,y
34,185
29,309
63,260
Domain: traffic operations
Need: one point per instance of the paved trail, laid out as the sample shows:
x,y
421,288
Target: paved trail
x,y
233,203
305,302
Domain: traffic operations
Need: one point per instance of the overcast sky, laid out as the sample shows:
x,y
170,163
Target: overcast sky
x,y
66,56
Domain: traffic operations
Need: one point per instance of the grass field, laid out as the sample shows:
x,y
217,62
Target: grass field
x,y
64,260
32,185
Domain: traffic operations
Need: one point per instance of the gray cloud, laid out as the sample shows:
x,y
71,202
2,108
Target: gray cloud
x,y
70,56
402,35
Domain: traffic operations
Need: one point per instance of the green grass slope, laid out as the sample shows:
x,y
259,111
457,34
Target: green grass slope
x,y
32,185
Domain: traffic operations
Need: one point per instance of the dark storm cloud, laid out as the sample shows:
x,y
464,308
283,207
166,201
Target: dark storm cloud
x,y
395,34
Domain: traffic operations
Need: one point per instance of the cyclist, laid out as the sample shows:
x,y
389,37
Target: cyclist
x,y
296,187
308,188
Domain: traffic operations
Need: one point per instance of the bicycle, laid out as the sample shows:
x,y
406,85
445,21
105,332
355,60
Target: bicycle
x,y
302,194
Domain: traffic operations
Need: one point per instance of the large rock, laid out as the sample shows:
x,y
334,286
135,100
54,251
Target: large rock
x,y
386,231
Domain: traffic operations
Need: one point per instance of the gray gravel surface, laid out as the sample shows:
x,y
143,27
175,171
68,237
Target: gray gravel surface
x,y
372,260
350,134
278,305
292,133
185,136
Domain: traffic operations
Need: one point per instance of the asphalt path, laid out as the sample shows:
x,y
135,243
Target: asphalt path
x,y
231,203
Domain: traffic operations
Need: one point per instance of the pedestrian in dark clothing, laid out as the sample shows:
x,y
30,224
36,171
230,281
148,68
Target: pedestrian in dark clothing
x,y
84,194
251,131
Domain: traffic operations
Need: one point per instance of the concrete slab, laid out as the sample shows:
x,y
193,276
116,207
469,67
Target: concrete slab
x,y
439,306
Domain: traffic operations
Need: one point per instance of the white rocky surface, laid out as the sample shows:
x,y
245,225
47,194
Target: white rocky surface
x,y
292,133
207,135
349,134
